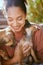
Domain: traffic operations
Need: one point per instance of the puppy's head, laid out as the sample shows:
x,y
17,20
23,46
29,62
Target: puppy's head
x,y
30,30
6,38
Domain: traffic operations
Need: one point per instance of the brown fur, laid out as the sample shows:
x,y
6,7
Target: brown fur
x,y
28,39
6,39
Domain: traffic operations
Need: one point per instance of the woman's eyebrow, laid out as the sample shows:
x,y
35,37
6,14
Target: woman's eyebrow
x,y
19,16
10,18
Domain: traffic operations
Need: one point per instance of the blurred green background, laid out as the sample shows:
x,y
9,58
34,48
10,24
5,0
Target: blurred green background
x,y
35,11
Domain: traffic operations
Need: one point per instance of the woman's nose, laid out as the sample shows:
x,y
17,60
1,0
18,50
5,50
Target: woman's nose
x,y
15,23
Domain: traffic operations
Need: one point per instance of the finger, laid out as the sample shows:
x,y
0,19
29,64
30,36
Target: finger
x,y
25,47
26,43
26,52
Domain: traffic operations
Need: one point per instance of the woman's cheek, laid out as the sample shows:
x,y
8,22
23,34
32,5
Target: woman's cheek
x,y
9,23
11,26
22,23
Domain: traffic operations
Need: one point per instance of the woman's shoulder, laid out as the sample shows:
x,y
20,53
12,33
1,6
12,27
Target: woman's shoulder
x,y
38,43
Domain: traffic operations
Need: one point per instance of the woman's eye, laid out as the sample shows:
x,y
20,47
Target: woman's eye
x,y
19,19
10,19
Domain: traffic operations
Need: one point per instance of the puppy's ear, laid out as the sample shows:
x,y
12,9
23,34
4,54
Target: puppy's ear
x,y
28,31
10,39
2,33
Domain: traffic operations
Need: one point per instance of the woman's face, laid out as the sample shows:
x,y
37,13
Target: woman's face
x,y
16,18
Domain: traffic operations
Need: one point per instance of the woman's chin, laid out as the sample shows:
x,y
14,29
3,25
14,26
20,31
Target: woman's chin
x,y
18,30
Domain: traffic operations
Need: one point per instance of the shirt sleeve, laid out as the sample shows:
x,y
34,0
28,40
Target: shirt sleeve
x,y
38,43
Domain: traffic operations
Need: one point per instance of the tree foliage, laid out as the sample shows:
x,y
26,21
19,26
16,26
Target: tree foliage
x,y
35,11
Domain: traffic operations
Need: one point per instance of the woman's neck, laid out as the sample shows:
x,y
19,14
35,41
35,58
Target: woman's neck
x,y
19,35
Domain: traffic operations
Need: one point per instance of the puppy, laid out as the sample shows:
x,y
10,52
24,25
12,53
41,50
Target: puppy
x,y
6,39
28,39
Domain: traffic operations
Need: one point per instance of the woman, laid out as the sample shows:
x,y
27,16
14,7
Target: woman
x,y
16,12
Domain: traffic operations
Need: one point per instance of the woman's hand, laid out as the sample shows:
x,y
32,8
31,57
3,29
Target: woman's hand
x,y
26,49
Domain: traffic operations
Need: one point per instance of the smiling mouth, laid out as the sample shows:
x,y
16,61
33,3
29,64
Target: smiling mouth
x,y
16,28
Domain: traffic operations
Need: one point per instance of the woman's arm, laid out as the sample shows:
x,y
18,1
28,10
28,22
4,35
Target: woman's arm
x,y
38,43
